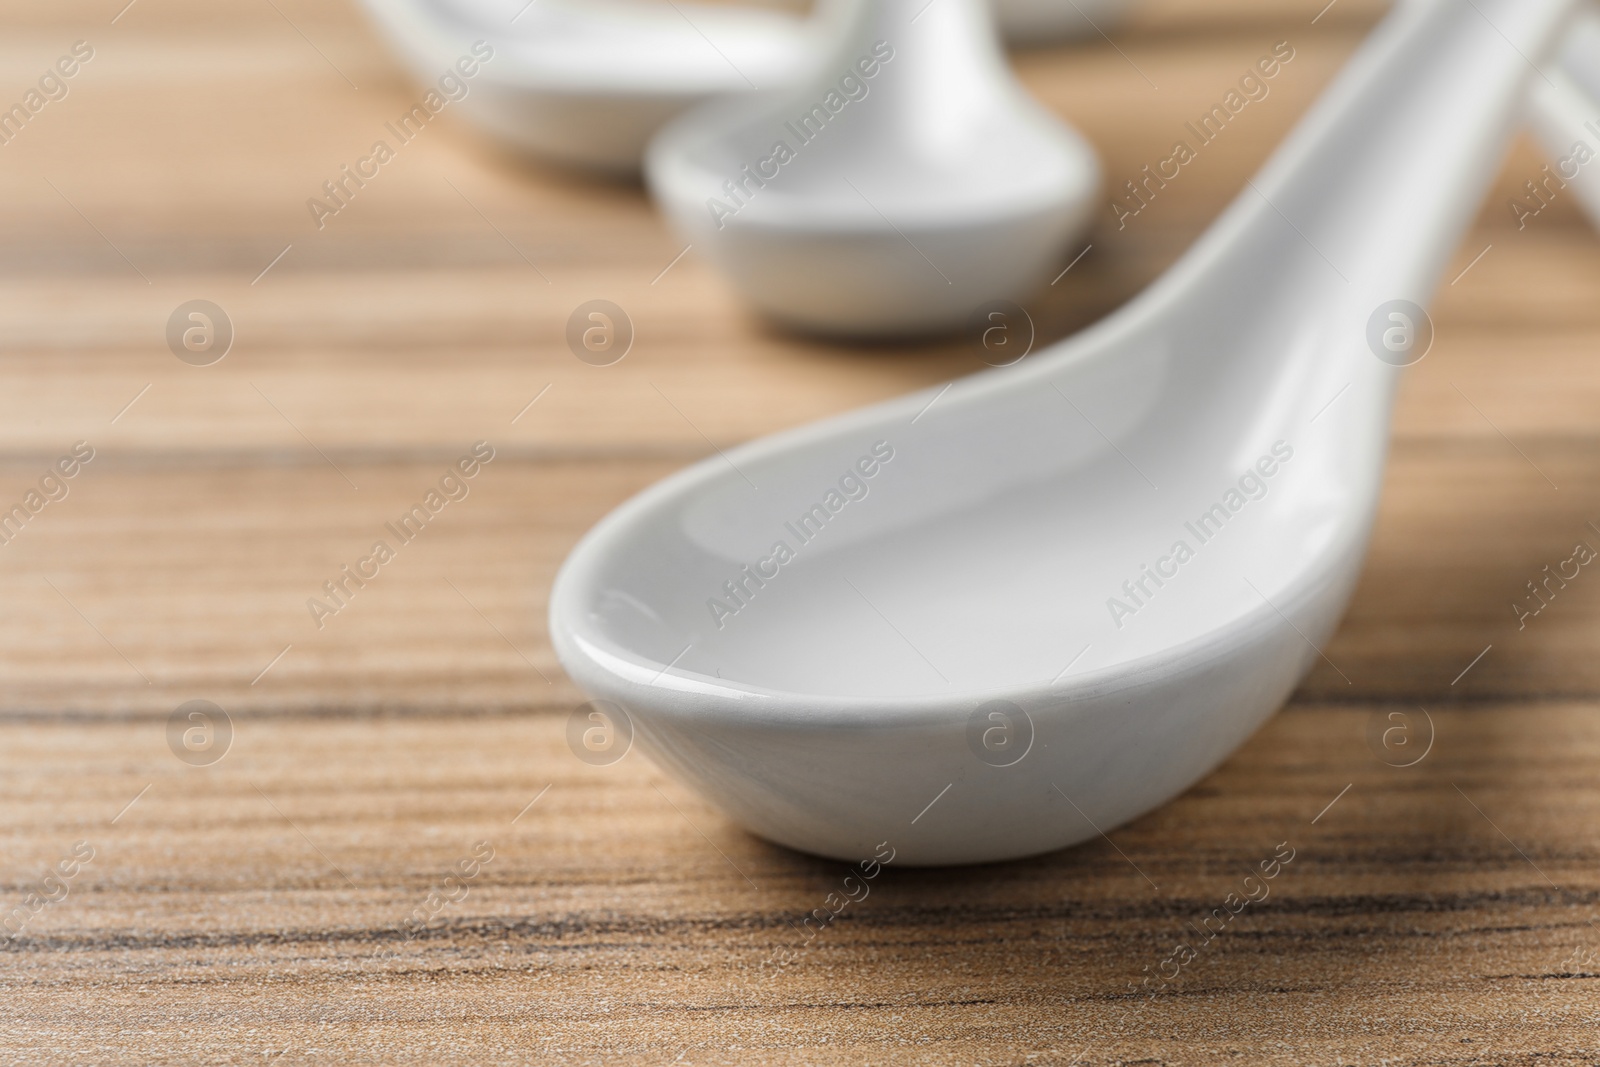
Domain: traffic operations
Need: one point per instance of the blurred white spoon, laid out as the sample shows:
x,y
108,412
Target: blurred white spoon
x,y
1564,115
911,630
910,180
587,82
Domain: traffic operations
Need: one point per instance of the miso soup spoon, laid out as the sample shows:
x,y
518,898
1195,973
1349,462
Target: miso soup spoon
x,y
1006,615
586,83
907,182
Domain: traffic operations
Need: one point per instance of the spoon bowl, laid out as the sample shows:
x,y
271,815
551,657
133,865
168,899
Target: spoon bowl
x,y
1004,616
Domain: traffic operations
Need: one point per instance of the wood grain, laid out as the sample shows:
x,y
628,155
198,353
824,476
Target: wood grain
x,y
253,910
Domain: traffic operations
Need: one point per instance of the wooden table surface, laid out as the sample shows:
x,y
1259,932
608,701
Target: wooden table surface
x,y
251,910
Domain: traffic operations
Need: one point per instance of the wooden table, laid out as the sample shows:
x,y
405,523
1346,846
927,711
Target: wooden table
x,y
251,910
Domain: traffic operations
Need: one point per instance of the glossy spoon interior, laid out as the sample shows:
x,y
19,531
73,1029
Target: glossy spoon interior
x,y
998,617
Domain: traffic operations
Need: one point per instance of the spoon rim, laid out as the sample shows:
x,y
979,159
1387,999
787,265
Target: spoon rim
x,y
609,664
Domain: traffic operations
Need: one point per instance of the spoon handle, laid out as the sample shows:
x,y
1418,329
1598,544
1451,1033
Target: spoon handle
x,y
1384,174
1564,113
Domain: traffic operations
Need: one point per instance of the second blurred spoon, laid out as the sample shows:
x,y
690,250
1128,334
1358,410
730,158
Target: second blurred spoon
x,y
908,181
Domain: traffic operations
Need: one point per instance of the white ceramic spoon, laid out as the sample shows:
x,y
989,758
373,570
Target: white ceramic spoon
x,y
905,184
1236,408
1564,114
587,82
